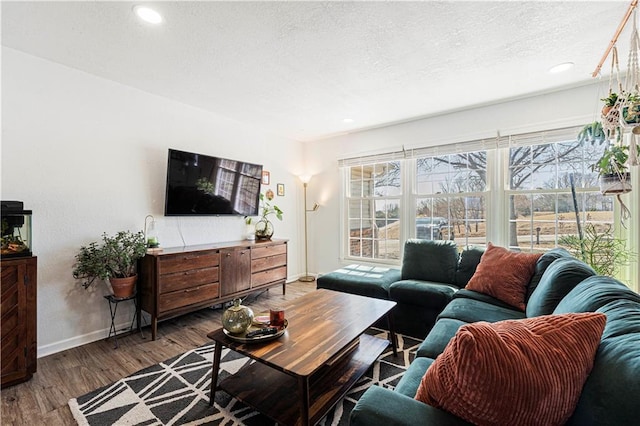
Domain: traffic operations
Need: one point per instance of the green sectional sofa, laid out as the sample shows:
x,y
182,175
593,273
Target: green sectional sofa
x,y
560,285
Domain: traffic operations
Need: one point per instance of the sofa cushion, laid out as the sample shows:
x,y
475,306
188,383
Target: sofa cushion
x,y
422,293
471,310
438,338
469,260
529,371
542,264
463,293
429,260
557,281
408,384
370,281
504,274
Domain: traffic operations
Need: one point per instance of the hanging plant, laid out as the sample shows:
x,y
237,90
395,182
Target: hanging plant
x,y
592,133
631,109
613,170
609,102
615,178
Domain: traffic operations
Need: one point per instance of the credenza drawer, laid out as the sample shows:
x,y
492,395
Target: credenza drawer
x,y
189,296
258,252
268,276
263,263
186,279
188,261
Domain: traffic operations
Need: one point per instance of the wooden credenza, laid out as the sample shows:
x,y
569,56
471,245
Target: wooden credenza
x,y
19,332
179,280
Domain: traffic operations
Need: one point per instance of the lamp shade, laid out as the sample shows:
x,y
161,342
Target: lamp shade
x,y
305,178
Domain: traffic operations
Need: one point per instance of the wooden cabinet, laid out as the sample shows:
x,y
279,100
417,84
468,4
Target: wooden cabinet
x,y
19,333
235,269
179,280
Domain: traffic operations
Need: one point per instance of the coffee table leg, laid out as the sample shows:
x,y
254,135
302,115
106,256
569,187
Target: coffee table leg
x,y
303,388
392,334
217,351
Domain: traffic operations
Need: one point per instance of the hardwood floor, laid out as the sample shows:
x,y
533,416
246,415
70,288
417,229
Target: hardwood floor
x,y
74,372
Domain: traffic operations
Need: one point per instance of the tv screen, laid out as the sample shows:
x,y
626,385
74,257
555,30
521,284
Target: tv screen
x,y
202,185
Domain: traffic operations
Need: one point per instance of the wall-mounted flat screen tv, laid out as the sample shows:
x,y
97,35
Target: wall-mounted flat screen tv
x,y
202,185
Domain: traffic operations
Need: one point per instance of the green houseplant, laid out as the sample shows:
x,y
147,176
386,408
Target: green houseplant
x,y
609,102
613,170
264,227
605,253
592,133
114,259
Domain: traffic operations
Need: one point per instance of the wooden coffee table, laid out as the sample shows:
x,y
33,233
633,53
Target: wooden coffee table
x,y
300,376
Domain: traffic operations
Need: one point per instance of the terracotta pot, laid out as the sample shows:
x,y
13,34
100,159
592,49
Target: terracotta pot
x,y
123,287
606,109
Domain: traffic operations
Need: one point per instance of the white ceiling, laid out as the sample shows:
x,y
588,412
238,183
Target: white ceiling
x,y
297,69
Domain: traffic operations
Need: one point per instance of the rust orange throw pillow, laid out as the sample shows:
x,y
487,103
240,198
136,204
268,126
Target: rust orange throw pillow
x,y
504,274
515,372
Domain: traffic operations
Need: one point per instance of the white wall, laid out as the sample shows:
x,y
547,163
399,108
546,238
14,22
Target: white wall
x,y
571,107
89,155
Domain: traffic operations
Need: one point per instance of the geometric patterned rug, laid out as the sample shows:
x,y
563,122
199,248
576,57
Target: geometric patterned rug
x,y
176,391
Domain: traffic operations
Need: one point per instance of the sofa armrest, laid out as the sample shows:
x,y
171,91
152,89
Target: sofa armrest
x,y
422,293
381,406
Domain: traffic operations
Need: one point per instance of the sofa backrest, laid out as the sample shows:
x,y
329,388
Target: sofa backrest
x,y
467,264
541,266
610,394
430,260
556,282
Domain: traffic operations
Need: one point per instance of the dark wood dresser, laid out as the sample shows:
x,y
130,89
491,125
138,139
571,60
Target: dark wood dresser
x,y
179,280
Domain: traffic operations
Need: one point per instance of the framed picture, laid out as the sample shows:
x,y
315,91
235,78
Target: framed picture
x,y
266,178
280,190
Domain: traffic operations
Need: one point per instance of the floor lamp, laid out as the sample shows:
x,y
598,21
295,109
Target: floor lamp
x,y
306,278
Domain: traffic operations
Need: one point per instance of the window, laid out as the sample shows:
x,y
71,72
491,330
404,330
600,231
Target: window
x,y
450,198
373,212
542,205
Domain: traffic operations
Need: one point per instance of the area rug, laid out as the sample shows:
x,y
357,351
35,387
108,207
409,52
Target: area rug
x,y
176,391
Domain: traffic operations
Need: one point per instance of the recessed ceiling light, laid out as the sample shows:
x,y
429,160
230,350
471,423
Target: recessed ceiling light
x,y
147,14
347,120
560,68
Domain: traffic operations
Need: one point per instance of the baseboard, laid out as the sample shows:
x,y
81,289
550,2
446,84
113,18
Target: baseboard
x,y
94,336
76,341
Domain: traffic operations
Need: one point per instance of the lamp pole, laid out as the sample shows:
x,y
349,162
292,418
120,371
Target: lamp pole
x,y
306,278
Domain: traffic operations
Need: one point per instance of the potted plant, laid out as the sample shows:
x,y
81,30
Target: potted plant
x,y
592,133
115,259
613,171
631,109
264,227
609,103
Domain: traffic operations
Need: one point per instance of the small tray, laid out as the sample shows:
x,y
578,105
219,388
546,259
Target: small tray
x,y
241,337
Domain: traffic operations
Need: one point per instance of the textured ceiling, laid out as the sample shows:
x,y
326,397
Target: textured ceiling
x,y
297,69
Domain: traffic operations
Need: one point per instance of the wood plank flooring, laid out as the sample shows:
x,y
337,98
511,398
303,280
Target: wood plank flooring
x,y
74,372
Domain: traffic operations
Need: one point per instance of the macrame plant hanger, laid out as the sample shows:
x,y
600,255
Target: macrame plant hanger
x,y
611,116
631,101
612,124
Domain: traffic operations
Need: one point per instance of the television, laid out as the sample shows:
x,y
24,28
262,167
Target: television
x,y
203,185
